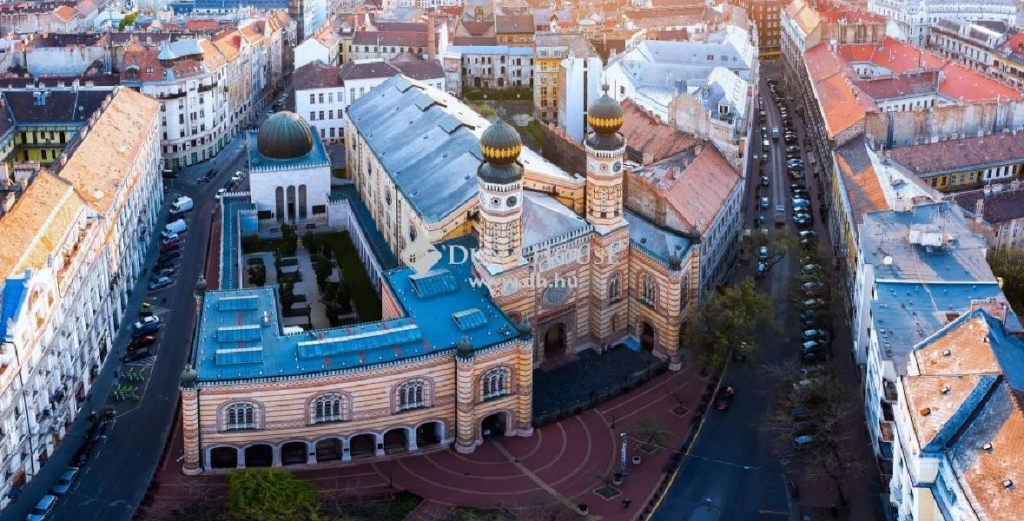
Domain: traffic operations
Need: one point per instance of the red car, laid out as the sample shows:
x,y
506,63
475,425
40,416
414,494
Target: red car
x,y
169,247
142,341
724,398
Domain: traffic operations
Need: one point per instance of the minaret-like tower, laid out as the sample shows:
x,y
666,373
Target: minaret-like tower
x,y
605,148
500,178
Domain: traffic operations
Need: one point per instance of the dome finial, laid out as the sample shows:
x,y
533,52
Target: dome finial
x,y
189,377
605,114
464,348
500,143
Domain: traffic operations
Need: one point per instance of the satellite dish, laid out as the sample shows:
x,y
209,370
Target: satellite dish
x,y
887,260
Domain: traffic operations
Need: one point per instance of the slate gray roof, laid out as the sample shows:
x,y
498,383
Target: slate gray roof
x,y
544,218
316,75
659,242
999,207
429,154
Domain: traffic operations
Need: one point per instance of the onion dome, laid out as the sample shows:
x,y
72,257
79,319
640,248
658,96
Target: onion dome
x,y
201,285
464,348
284,135
524,327
605,114
501,144
189,377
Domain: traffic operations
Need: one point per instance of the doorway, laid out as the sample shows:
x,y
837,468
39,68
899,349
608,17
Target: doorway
x,y
554,341
647,337
493,425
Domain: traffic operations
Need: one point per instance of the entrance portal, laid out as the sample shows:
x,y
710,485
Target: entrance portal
x,y
554,341
647,337
493,425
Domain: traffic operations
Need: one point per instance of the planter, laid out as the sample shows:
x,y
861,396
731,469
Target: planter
x,y
637,460
617,479
582,509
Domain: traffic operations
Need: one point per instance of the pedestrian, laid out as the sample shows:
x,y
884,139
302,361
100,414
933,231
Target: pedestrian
x,y
626,502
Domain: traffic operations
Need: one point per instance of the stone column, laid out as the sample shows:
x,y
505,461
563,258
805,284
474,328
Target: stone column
x,y
190,430
311,453
411,435
346,449
276,451
465,420
378,449
240,455
524,389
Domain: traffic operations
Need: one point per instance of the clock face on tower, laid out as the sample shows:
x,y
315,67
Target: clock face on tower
x,y
511,201
617,166
495,202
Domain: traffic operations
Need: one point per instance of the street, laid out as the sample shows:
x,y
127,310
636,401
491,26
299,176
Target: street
x,y
110,486
731,463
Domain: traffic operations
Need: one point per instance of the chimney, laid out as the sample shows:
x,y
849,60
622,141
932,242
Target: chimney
x,y
979,210
431,36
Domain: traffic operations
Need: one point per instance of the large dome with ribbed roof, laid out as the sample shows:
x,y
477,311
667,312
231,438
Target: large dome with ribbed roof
x,y
284,135
501,144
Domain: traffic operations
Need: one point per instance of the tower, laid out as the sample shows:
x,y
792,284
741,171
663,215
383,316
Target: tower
x,y
500,179
605,147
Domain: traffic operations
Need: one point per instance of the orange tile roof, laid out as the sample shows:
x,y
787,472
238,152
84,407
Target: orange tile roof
x,y
37,224
702,188
65,13
933,400
251,32
145,58
100,164
647,136
805,17
201,25
840,102
967,85
860,179
212,57
230,44
960,350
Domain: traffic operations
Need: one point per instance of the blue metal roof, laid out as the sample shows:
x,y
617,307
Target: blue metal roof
x,y
12,296
237,340
230,240
431,156
660,243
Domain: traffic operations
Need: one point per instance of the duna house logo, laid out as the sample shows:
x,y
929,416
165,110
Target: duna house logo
x,y
420,255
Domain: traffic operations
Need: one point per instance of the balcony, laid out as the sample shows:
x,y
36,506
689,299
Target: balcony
x,y
886,430
890,391
887,413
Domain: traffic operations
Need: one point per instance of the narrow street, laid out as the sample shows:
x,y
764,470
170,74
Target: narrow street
x,y
731,472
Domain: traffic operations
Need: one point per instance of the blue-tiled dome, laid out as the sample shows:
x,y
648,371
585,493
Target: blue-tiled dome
x,y
284,135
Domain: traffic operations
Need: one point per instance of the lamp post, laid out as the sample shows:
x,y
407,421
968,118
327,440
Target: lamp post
x,y
622,460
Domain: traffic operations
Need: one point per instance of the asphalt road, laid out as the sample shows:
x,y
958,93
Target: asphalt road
x,y
113,482
731,463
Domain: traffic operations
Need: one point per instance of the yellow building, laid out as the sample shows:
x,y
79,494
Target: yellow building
x,y
548,77
36,124
962,164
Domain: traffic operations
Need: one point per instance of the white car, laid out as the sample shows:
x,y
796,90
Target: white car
x,y
145,321
237,177
221,192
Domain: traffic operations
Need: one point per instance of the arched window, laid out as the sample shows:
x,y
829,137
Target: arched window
x,y
495,383
648,290
412,232
614,289
411,395
240,415
387,196
328,408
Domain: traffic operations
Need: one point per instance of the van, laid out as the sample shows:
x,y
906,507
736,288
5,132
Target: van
x,y
766,145
177,227
775,132
42,508
182,205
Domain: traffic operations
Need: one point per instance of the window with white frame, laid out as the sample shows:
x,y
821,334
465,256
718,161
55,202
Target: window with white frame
x,y
614,290
328,408
240,416
495,383
648,290
411,395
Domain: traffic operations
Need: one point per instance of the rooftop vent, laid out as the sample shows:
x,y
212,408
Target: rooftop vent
x,y
945,389
1008,483
947,353
926,411
987,447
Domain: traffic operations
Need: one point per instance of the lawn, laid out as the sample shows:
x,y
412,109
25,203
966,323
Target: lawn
x,y
364,296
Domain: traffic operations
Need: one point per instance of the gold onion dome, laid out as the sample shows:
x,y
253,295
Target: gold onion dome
x,y
500,144
605,114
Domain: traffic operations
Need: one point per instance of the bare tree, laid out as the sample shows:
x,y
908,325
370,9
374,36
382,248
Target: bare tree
x,y
778,243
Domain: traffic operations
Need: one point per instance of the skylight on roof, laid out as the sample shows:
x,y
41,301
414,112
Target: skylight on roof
x,y
238,303
469,319
433,283
238,333
239,355
359,342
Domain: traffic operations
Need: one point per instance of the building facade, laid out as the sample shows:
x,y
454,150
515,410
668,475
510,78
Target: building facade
x,y
912,20
75,243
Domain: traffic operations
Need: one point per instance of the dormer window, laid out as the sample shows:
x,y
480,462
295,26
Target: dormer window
x,y
723,109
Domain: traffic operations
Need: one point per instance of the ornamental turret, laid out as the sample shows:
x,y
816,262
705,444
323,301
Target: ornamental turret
x,y
500,179
605,148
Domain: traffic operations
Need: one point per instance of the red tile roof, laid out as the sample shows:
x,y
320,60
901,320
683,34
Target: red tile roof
x,y
958,155
648,140
696,184
860,179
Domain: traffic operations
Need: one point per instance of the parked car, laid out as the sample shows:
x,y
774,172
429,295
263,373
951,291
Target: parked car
x,y
792,148
811,268
724,399
809,314
807,372
169,247
797,186
762,253
136,355
220,193
812,358
169,256
811,346
141,342
799,413
764,180
42,508
813,286
811,323
146,321
160,283
801,203
813,294
765,203
169,271
762,268
802,441
169,239
64,481
804,428
808,234
815,334
806,382
145,325
237,177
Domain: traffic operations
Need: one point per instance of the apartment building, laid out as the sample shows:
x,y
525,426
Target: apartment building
x,y
912,20
75,239
549,75
997,212
766,15
209,89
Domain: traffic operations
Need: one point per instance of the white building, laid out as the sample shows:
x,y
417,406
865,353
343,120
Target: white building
x,y
959,423
496,67
289,170
919,268
323,92
324,46
74,245
911,20
579,84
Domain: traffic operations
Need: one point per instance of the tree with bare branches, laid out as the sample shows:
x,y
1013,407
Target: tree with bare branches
x,y
732,322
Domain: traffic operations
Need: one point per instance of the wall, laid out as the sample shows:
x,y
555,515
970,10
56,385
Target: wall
x,y
63,61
